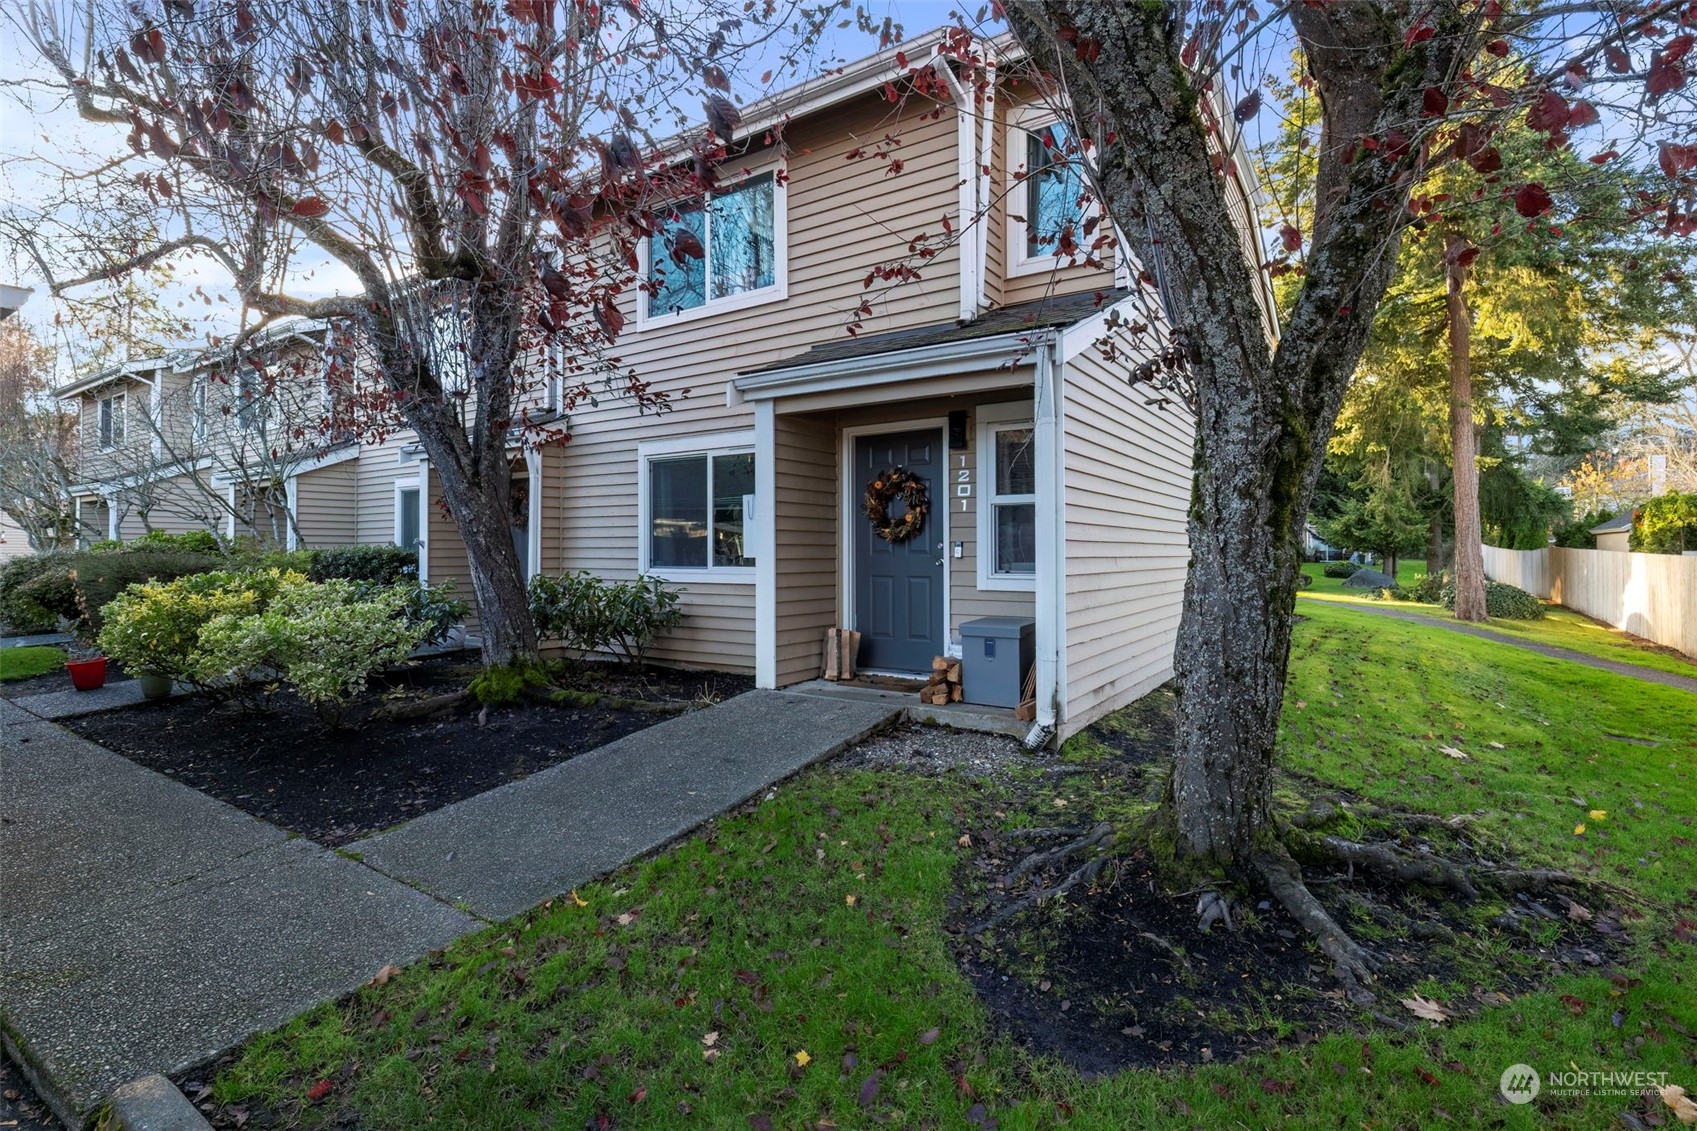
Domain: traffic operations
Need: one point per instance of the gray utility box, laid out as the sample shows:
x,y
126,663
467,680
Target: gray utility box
x,y
996,652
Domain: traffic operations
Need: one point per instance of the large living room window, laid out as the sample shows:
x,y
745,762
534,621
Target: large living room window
x,y
697,512
720,252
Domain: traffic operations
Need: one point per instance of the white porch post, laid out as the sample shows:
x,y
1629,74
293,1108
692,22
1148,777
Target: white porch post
x,y
424,520
291,520
765,545
1051,537
111,518
533,544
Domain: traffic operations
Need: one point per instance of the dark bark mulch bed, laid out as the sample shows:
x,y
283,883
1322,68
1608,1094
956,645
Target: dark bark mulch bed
x,y
336,786
1119,975
20,1108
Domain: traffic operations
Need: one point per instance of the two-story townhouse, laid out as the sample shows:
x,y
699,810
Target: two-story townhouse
x,y
219,441
1057,492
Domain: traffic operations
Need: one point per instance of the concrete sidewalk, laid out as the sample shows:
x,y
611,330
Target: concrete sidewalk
x,y
145,927
505,851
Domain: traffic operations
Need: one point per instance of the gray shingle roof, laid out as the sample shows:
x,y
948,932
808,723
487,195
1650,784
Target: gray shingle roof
x,y
1021,317
1622,521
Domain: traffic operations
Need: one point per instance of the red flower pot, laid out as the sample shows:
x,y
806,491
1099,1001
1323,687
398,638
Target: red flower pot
x,y
87,675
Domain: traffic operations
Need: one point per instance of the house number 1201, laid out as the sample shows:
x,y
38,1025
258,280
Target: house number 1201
x,y
963,484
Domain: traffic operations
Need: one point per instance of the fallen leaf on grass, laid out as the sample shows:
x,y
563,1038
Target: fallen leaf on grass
x,y
1276,1087
381,978
577,900
1425,1008
321,1089
638,1096
851,900
760,1123
1454,753
869,1090
1598,814
803,1059
1575,1005
1579,829
1496,746
929,1037
1676,1098
1577,913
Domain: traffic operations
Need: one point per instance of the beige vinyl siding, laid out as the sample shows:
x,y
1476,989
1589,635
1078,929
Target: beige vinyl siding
x,y
14,543
806,516
375,472
1127,489
442,542
175,505
327,505
844,218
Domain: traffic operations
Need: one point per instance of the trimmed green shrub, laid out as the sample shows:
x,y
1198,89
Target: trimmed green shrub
x,y
384,565
19,611
1340,569
433,609
189,542
102,576
1501,600
156,626
1666,524
1428,588
590,615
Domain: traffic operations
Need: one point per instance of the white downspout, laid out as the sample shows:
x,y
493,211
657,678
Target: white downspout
x,y
966,153
1051,540
291,500
765,545
987,152
533,544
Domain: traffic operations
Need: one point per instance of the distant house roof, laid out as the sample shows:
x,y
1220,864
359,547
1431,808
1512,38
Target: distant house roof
x,y
1615,525
1021,317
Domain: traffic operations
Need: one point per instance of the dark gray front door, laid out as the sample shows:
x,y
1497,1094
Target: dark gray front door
x,y
898,587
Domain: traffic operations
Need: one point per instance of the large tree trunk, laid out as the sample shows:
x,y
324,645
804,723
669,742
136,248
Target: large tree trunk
x,y
1464,442
1263,417
481,510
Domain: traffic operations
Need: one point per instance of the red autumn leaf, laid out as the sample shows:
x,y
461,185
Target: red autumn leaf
x,y
333,131
638,1096
1582,114
1465,256
1618,60
1549,112
318,1091
714,76
1248,108
1575,1005
1678,47
1497,47
1275,1087
901,59
1418,34
312,207
1290,237
1532,200
1487,160
1676,159
1666,75
1435,102
1427,1076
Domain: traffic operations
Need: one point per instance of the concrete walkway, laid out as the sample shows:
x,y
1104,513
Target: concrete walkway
x,y
145,927
36,639
507,850
1632,671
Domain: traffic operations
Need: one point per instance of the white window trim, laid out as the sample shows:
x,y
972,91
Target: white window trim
x,y
991,419
777,292
1021,123
710,445
410,485
200,403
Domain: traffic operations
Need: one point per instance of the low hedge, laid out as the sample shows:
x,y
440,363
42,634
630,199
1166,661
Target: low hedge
x,y
1340,569
1501,600
383,565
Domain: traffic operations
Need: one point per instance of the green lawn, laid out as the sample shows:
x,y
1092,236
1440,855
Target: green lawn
x,y
682,992
24,663
1560,627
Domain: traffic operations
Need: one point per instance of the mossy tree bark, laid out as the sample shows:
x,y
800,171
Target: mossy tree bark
x,y
1264,413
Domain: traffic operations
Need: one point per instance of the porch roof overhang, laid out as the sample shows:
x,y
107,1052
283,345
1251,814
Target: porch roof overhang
x,y
1005,340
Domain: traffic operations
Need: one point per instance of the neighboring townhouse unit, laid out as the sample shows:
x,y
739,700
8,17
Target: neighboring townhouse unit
x,y
238,445
1058,492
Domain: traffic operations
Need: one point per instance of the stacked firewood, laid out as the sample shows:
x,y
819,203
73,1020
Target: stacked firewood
x,y
1027,709
944,684
841,647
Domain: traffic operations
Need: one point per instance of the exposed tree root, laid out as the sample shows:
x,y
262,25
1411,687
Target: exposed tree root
x,y
1084,873
1418,867
420,708
1039,834
1352,963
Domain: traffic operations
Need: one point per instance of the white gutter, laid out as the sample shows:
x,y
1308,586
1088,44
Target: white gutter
x,y
966,152
765,546
987,153
1001,351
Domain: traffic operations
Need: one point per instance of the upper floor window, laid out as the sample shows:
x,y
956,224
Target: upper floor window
x,y
252,403
111,421
1048,209
723,251
697,507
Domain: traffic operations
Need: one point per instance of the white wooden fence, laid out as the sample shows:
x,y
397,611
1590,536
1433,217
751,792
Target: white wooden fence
x,y
1649,595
